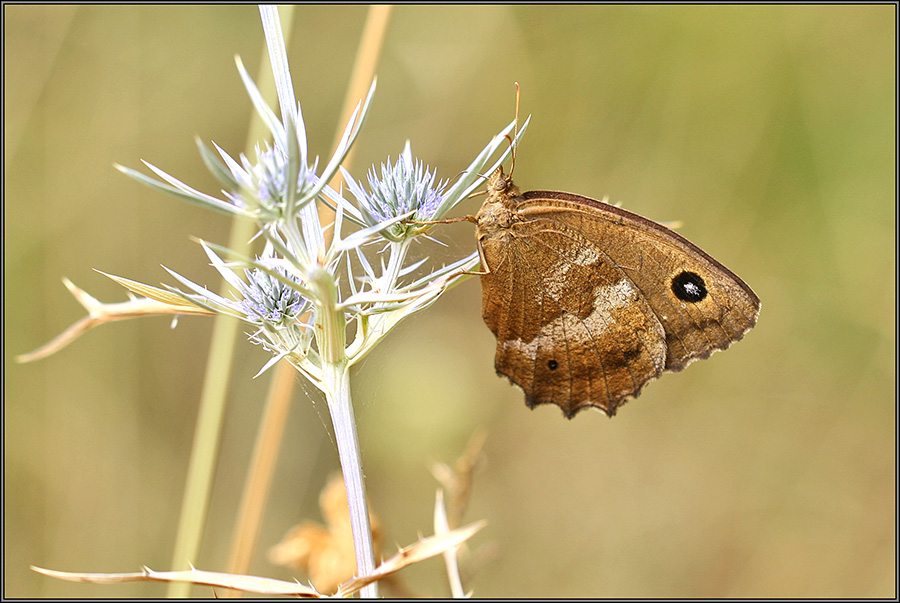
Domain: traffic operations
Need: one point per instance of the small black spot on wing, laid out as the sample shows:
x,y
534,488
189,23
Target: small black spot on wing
x,y
689,287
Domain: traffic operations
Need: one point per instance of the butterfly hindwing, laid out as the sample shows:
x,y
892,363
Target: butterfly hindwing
x,y
572,329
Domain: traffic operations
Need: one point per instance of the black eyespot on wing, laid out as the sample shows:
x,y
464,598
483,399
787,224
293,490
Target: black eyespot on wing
x,y
553,365
689,287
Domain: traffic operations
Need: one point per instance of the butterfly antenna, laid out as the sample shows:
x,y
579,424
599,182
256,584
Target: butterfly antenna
x,y
512,140
512,167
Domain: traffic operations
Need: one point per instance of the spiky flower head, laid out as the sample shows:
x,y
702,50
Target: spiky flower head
x,y
270,299
262,186
406,187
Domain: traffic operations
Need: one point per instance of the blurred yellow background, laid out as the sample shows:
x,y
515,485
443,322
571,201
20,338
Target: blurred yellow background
x,y
769,131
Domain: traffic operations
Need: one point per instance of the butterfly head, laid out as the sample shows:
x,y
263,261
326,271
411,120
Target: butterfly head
x,y
501,185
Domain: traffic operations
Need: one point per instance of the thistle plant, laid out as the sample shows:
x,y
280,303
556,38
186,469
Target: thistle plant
x,y
321,296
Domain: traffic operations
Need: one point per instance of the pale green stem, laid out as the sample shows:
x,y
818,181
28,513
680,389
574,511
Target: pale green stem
x,y
398,255
331,338
341,407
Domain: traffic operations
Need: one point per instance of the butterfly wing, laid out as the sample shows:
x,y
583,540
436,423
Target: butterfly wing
x,y
702,306
572,327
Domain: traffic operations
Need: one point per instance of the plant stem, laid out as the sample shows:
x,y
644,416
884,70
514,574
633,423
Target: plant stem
x,y
395,263
339,403
331,337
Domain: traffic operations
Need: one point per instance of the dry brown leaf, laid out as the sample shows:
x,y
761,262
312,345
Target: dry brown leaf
x,y
156,302
325,553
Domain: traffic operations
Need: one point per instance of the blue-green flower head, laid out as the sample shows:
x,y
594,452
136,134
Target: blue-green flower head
x,y
270,300
266,180
404,187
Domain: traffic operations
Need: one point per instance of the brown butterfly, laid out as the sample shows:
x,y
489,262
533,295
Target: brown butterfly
x,y
589,302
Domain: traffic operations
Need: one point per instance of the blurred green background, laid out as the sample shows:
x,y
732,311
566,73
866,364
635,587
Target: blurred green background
x,y
766,471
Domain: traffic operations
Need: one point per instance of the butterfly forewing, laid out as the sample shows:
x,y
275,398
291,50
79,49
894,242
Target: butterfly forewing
x,y
652,257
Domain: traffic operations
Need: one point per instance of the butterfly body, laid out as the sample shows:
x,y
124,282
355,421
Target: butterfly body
x,y
589,302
